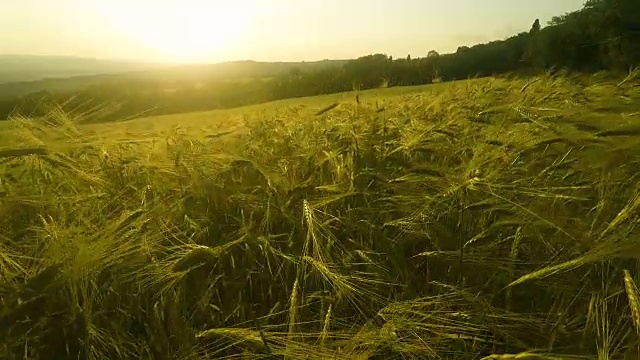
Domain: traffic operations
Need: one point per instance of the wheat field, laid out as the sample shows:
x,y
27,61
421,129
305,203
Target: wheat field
x,y
492,218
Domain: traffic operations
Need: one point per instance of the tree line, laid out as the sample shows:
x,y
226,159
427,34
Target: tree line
x,y
603,35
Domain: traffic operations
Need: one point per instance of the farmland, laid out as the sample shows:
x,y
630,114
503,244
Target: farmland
x,y
461,220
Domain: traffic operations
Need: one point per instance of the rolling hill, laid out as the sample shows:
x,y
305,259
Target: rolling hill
x,y
28,68
20,76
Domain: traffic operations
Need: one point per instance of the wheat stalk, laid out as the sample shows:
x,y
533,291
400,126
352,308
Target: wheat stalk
x,y
634,299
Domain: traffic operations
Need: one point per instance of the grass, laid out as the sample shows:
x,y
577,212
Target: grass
x,y
492,218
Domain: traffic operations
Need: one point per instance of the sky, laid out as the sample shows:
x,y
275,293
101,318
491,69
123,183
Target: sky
x,y
206,31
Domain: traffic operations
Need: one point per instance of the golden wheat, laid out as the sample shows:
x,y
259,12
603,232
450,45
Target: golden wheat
x,y
281,230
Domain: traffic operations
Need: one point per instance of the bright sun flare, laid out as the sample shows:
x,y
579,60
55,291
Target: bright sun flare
x,y
185,30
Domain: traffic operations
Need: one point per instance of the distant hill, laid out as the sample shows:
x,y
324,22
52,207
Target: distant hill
x,y
21,68
56,75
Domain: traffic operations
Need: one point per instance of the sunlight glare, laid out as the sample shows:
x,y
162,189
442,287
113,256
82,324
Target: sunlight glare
x,y
185,30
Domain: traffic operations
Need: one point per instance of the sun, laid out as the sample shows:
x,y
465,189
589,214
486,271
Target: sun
x,y
182,31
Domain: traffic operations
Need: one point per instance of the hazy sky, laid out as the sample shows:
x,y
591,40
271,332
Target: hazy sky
x,y
214,30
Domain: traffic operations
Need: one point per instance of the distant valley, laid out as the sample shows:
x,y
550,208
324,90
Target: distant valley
x,y
24,75
23,68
